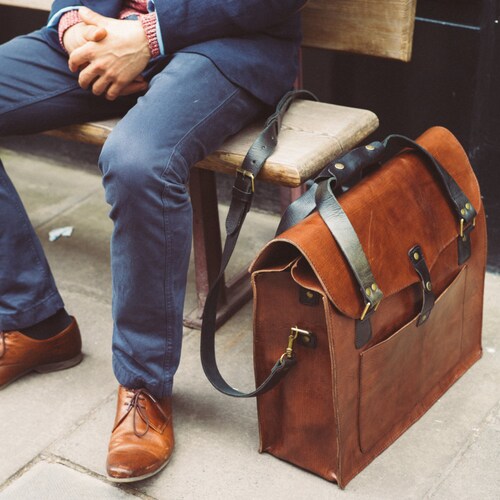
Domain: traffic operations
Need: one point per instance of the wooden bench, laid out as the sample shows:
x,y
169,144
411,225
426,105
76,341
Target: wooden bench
x,y
312,133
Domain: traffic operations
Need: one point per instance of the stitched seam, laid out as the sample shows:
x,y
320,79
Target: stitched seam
x,y
38,304
167,290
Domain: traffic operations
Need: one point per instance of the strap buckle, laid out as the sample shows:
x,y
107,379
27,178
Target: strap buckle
x,y
247,173
462,226
369,305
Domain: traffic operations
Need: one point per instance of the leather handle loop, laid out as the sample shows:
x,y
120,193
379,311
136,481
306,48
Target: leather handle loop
x,y
351,165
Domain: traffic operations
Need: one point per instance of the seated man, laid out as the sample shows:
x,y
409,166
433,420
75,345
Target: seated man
x,y
188,74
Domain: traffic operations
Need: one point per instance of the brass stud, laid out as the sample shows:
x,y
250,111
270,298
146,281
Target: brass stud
x,y
463,212
467,206
306,339
374,287
309,294
370,147
464,237
428,285
416,256
424,317
368,292
339,166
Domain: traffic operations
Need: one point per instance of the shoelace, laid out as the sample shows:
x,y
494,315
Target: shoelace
x,y
138,395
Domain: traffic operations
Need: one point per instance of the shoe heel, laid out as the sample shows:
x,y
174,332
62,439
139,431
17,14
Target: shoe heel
x,y
61,365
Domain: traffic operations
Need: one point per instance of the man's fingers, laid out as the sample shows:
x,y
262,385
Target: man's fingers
x,y
90,17
100,86
79,57
134,88
88,76
94,33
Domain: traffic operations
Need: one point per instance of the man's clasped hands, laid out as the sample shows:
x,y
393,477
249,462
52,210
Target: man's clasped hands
x,y
109,53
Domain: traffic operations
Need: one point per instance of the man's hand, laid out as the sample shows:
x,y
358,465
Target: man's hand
x,y
112,65
81,33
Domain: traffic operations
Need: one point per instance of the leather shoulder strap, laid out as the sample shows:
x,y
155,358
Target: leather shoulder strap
x,y
242,195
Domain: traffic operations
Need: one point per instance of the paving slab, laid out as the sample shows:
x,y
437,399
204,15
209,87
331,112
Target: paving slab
x,y
37,409
47,481
47,188
476,472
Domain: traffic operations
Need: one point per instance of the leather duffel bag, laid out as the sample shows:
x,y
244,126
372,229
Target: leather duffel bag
x,y
370,308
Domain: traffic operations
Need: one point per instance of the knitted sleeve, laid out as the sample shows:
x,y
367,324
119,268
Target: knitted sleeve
x,y
67,20
148,22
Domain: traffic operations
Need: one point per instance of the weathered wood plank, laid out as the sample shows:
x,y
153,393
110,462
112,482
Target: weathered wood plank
x,y
29,4
371,27
312,134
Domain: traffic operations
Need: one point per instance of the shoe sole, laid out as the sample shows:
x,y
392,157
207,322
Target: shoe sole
x,y
138,478
50,367
61,365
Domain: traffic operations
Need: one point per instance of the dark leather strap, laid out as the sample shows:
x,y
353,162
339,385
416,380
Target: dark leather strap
x,y
345,235
241,201
428,298
460,203
341,228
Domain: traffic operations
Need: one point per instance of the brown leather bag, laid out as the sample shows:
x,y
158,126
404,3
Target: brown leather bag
x,y
370,308
342,404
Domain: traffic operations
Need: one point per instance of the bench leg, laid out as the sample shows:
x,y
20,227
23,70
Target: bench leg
x,y
208,250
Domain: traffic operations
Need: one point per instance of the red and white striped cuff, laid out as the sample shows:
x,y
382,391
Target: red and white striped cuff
x,y
148,22
67,20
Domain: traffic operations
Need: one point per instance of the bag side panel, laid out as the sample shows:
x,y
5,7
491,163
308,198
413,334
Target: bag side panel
x,y
297,420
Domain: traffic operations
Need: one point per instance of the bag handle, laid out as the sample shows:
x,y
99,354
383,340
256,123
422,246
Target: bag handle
x,y
242,195
351,166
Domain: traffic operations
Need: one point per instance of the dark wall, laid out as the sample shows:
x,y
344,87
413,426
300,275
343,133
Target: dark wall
x,y
452,80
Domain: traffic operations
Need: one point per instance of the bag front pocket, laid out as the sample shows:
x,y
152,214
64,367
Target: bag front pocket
x,y
400,372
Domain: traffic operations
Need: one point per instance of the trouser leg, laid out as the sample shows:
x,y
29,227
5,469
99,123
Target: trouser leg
x,y
187,113
37,92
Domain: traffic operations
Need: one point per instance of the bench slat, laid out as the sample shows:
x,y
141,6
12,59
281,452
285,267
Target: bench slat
x,y
312,134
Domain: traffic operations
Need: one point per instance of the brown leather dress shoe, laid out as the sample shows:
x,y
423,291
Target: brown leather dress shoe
x,y
20,354
142,440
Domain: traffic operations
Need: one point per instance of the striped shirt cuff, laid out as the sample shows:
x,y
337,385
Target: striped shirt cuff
x,y
148,22
67,20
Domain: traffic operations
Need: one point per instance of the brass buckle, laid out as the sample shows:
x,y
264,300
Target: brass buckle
x,y
368,306
462,224
246,173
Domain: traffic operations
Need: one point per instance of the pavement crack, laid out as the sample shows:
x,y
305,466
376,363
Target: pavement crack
x,y
20,472
56,459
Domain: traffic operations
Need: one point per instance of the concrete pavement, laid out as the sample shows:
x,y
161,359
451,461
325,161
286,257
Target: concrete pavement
x,y
55,427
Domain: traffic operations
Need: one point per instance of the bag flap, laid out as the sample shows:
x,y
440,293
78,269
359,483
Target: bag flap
x,y
394,208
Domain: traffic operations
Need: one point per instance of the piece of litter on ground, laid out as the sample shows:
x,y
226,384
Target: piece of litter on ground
x,y
55,234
